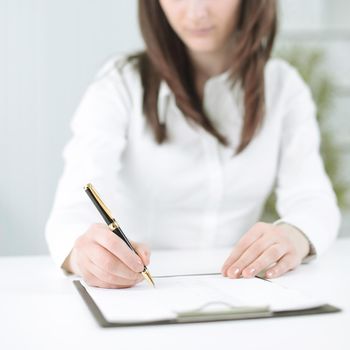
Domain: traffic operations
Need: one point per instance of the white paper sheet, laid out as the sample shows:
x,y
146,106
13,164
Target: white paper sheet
x,y
180,294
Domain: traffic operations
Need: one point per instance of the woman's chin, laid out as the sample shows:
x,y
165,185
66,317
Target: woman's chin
x,y
203,48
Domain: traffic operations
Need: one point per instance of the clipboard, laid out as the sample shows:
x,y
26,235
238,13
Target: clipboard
x,y
202,314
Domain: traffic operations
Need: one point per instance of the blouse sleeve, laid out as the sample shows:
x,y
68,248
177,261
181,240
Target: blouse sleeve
x,y
93,155
305,197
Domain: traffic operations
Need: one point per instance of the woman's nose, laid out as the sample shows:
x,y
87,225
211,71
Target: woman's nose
x,y
197,10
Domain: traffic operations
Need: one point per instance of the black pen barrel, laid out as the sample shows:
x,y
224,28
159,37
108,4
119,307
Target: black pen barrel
x,y
119,232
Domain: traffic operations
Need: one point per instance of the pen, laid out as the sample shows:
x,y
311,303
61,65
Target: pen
x,y
113,224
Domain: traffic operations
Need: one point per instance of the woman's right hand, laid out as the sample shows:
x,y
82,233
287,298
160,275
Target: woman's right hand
x,y
104,260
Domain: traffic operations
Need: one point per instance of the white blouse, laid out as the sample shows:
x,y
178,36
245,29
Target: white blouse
x,y
191,191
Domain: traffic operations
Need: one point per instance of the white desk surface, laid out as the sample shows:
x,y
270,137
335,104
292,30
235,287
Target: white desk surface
x,y
40,309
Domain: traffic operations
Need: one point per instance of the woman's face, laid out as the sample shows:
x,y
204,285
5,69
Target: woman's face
x,y
205,26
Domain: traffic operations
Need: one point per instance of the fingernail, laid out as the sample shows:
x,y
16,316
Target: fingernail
x,y
233,272
269,274
251,272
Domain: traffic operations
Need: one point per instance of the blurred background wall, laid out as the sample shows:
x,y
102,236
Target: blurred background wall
x,y
50,50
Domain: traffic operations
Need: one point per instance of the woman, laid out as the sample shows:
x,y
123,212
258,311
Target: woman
x,y
185,142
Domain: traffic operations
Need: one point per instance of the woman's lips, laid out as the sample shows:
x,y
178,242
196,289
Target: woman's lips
x,y
200,31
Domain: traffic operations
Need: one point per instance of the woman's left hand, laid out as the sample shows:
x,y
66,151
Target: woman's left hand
x,y
274,248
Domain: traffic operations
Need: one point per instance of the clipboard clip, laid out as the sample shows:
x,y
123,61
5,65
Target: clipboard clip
x,y
221,310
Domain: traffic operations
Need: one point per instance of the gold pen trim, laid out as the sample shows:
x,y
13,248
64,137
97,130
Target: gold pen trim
x,y
147,276
113,225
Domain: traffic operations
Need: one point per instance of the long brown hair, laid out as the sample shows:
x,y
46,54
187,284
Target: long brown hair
x,y
166,58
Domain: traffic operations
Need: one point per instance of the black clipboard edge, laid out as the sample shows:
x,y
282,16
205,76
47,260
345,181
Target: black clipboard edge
x,y
103,322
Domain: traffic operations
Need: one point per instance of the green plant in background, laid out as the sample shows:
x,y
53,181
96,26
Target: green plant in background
x,y
310,64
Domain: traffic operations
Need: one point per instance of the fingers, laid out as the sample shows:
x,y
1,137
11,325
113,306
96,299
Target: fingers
x,y
109,263
114,280
251,245
247,240
105,274
117,247
94,281
264,247
104,260
143,251
285,264
268,257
